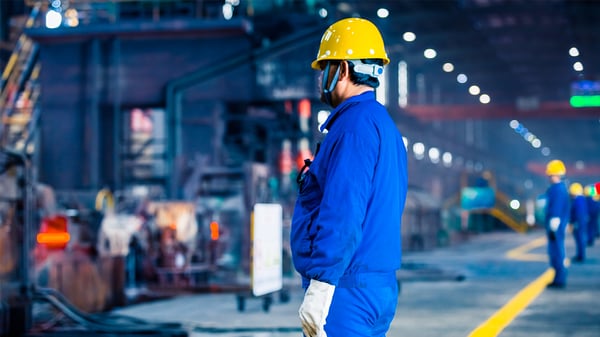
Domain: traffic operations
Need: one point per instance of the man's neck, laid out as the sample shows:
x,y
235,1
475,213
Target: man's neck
x,y
354,90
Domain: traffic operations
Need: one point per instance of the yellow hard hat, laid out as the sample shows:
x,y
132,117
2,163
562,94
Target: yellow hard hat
x,y
556,168
351,39
576,189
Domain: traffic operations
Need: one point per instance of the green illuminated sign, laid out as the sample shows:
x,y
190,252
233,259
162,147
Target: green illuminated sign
x,y
585,101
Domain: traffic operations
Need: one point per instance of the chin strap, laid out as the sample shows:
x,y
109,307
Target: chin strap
x,y
327,90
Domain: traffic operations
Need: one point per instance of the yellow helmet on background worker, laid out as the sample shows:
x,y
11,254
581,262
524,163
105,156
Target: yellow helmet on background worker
x,y
576,189
556,168
351,39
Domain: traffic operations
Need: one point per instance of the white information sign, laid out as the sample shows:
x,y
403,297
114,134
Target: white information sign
x,y
266,273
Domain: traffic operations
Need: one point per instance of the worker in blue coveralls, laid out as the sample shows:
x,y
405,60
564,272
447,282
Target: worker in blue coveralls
x,y
557,216
593,210
345,233
579,220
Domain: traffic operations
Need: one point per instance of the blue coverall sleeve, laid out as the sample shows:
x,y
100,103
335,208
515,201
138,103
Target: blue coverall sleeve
x,y
580,212
558,201
347,186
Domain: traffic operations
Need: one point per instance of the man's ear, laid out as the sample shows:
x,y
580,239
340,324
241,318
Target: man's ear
x,y
344,70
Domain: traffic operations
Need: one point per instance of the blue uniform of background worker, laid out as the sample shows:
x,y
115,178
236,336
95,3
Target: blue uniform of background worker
x,y
593,206
345,233
557,217
579,220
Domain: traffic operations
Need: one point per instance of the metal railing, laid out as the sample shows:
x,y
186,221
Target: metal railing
x,y
19,92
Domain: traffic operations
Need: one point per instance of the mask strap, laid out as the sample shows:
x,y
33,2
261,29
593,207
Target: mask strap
x,y
327,91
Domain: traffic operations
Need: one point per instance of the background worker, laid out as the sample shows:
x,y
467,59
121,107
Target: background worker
x,y
345,233
593,206
579,220
557,217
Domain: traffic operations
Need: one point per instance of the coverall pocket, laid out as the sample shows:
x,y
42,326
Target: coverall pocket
x,y
310,193
301,240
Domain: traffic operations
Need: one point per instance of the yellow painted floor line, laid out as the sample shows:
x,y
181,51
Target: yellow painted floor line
x,y
522,252
502,318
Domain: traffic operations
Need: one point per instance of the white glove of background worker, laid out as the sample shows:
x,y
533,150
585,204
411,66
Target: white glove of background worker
x,y
315,307
554,223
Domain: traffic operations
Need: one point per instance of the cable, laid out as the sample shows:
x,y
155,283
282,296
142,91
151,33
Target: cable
x,y
103,319
94,324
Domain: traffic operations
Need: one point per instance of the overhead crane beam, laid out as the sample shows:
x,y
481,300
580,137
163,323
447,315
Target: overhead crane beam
x,y
456,112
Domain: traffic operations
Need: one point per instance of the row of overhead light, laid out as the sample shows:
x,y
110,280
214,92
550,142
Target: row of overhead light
x,y
434,154
420,150
448,67
528,136
577,65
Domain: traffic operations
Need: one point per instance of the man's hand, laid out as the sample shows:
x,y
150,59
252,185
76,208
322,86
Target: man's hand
x,y
315,307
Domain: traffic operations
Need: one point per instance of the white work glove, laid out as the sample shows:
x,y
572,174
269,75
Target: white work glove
x,y
315,307
554,223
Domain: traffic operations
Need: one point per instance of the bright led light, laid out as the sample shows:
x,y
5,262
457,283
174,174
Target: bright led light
x,y
546,151
536,143
484,99
402,84
474,90
418,149
323,12
461,78
574,52
383,13
227,11
53,19
71,17
578,66
448,67
434,155
514,124
322,116
515,204
430,53
409,36
447,159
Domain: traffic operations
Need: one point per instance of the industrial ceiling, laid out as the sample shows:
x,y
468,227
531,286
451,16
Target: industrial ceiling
x,y
515,51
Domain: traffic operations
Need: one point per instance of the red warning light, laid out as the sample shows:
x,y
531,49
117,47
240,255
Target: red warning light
x,y
54,233
214,231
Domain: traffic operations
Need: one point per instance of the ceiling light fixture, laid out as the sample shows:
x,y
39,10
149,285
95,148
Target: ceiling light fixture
x,y
430,53
574,52
383,13
474,90
409,36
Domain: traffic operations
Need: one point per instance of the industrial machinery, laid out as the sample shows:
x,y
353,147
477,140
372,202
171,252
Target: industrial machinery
x,y
26,309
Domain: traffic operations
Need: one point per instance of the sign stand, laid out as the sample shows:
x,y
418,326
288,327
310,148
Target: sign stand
x,y
265,255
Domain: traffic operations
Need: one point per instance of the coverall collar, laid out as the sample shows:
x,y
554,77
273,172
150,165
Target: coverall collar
x,y
365,96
